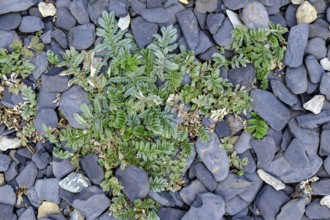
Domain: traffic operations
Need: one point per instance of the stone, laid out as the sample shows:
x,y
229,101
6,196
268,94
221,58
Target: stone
x,y
119,7
269,202
27,176
163,198
4,162
47,9
214,157
11,172
123,22
189,27
290,15
8,196
251,166
250,193
60,37
294,209
135,182
95,9
74,182
315,105
326,164
325,201
223,37
324,144
46,37
82,37
205,42
7,211
312,121
222,129
235,206
62,167
91,168
190,192
47,208
138,6
91,202
7,38
314,69
232,186
296,155
270,180
28,214
321,187
33,197
235,4
10,21
14,6
243,143
283,93
278,19
201,19
70,104
254,15
319,30
64,19
41,159
297,42
48,190
79,11
205,177
155,15
234,19
297,2
45,118
165,213
306,13
296,79
171,11
31,24
41,63
206,206
56,83
316,47
324,86
265,151
46,100
270,109
143,31
203,6
325,63
317,211
214,22
243,76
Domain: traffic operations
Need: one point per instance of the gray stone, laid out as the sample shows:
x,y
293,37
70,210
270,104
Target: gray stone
x,y
296,45
7,38
8,196
31,24
321,187
318,30
189,193
206,206
163,198
254,15
171,12
170,214
325,85
296,79
11,172
155,15
95,9
203,6
205,177
222,129
135,182
7,211
244,76
143,31
270,109
46,99
278,19
250,193
214,157
46,37
10,21
312,121
223,37
294,209
314,69
45,117
62,167
189,28
235,4
4,162
251,167
60,37
265,150
33,197
79,11
74,182
92,169
283,93
41,63
214,22
326,164
205,42
28,214
235,205
119,7
324,145
317,211
317,48
82,37
41,159
55,83
27,176
296,155
70,104
138,6
64,19
243,143
48,190
15,5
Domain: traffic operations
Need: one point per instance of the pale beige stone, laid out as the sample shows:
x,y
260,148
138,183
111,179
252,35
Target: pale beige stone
x,y
47,208
297,2
47,9
2,179
306,13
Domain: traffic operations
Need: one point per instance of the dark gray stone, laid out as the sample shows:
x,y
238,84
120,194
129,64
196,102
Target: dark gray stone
x,y
4,162
143,31
48,190
296,45
296,155
155,15
61,167
27,176
296,79
294,209
318,30
7,38
46,99
317,48
203,6
153,3
60,37
206,206
31,24
70,104
222,129
314,69
243,143
254,15
189,193
10,21
265,150
163,198
135,182
11,172
326,164
119,7
290,15
41,63
79,11
214,22
64,19
324,145
14,6
283,93
8,196
276,114
317,211
170,214
235,4
321,187
250,193
214,157
41,159
45,117
251,167
92,169
28,214
328,14
82,37
171,11
244,76
46,37
189,28
205,42
235,205
312,121
201,19
278,19
7,211
138,6
325,85
55,83
223,36
33,197
205,177
95,9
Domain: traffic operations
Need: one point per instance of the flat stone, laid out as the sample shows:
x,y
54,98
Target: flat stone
x,y
250,193
95,9
60,37
27,176
189,193
297,42
74,182
306,13
265,151
324,144
82,37
325,85
28,214
11,172
251,167
294,209
314,69
92,169
55,83
205,42
214,157
296,79
7,38
61,167
189,27
7,211
235,206
124,22
296,155
10,21
223,37
290,15
15,5
48,190
163,198
41,159
283,93
8,196
9,143
64,19
276,114
79,11
325,201
31,24
45,118
205,177
312,121
243,143
155,15
321,187
4,162
315,105
214,22
234,18
119,7
33,197
203,6
143,31
254,15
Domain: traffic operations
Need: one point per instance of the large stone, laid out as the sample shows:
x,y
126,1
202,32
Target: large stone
x,y
41,159
7,38
31,24
74,182
205,176
321,187
4,162
92,169
190,192
48,208
61,167
235,205
189,27
64,19
79,11
316,47
155,15
317,211
243,143
7,212
170,213
95,9
235,4
47,9
119,7
82,37
15,5
214,22
296,79
297,43
270,109
315,105
143,31
28,214
214,157
254,15
27,176
70,104
56,83
265,151
324,145
10,21
294,209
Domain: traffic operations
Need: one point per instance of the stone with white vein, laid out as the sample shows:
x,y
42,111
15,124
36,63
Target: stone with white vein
x,y
315,104
270,180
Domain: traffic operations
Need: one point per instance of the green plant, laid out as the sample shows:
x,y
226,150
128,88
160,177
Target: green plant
x,y
52,57
257,126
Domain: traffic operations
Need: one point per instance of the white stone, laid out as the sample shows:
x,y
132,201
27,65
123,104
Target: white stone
x,y
124,22
325,201
6,143
325,63
47,9
315,104
270,180
234,19
74,182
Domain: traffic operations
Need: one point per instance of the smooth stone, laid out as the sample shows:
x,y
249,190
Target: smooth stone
x,y
48,189
143,31
120,7
92,169
9,143
60,37
95,9
46,99
47,9
325,63
204,6
283,93
163,198
325,201
290,15
296,79
10,21
317,211
316,47
30,24
243,143
124,22
315,105
205,177
314,69
236,205
234,18
325,85
205,42
171,11
251,167
41,159
321,187
82,37
306,13
33,197
45,118
55,83
27,176
74,182
189,193
7,211
223,37
296,155
278,19
48,208
256,183
11,172
243,76
254,15
324,143
312,121
7,38
15,5
64,19
8,196
61,167
189,27
235,4
28,214
294,209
